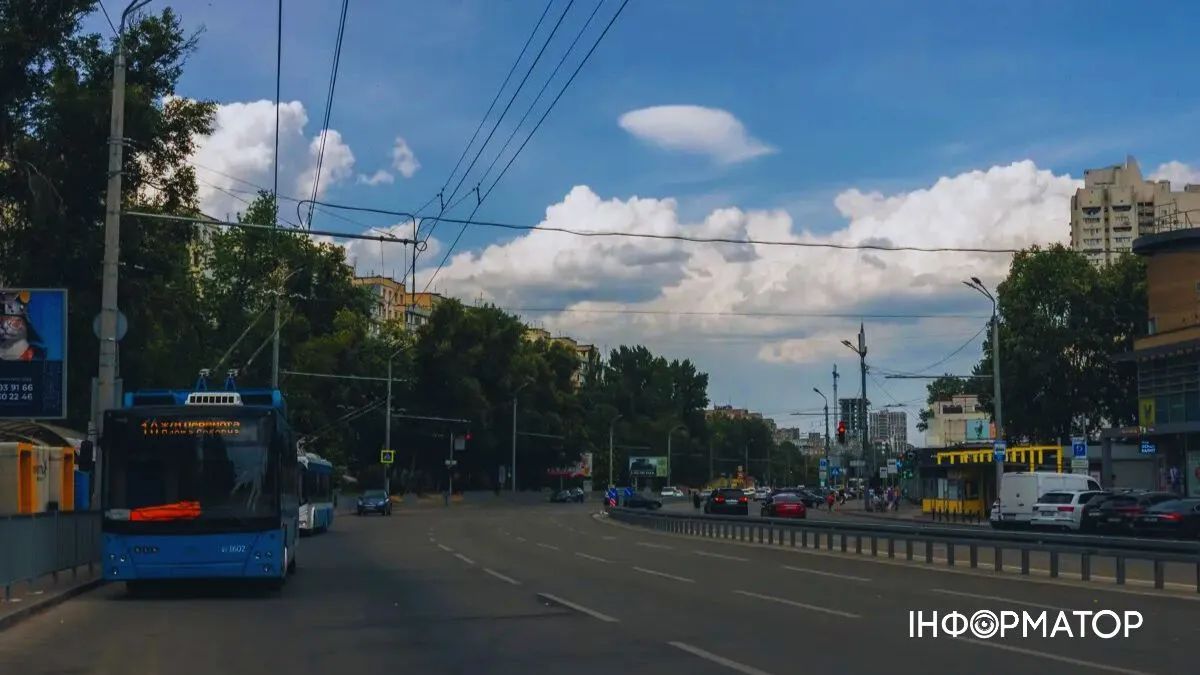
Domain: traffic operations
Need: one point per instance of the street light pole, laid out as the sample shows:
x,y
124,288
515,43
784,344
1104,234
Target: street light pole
x,y
672,431
997,408
387,426
514,437
826,430
861,350
611,425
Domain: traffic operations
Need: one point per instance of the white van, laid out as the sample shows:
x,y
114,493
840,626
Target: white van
x,y
1020,490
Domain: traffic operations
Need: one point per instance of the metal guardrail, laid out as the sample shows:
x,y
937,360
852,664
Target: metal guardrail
x,y
810,534
32,546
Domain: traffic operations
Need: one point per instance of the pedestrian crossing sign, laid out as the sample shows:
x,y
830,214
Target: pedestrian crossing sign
x,y
387,456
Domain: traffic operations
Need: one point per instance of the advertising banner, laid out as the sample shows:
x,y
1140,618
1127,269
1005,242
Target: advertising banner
x,y
648,467
580,469
33,353
979,430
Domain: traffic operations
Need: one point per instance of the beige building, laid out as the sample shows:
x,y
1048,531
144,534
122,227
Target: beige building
x,y
1115,206
393,303
960,420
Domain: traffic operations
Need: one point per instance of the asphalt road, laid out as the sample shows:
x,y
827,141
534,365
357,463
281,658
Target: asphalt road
x,y
523,589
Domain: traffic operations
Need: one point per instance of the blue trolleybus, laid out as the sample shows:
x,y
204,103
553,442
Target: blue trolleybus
x,y
199,484
316,493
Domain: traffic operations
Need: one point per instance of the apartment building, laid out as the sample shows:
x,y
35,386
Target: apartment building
x,y
889,426
1116,205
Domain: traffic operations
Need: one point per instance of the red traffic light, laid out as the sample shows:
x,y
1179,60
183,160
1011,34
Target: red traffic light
x,y
467,436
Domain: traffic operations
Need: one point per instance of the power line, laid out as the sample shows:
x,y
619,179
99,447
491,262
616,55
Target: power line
x,y
278,79
949,356
495,98
545,86
686,238
533,131
663,312
255,226
108,19
337,59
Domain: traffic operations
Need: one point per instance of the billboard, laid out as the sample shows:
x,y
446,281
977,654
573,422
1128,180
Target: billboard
x,y
33,353
580,469
648,467
979,430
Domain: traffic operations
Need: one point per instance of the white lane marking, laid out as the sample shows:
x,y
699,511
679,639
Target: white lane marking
x,y
552,548
445,548
997,598
801,605
578,608
608,537
464,558
592,557
720,660
522,539
1053,657
656,573
850,577
722,556
649,545
501,577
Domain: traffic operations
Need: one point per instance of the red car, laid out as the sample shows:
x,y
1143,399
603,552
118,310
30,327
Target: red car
x,y
784,505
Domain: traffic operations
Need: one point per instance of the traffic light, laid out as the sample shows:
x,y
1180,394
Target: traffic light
x,y
841,431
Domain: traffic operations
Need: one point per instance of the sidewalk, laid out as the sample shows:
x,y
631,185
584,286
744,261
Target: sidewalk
x,y
906,515
27,599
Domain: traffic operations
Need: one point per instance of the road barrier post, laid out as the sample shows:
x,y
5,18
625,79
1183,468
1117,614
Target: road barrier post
x,y
1024,561
1053,564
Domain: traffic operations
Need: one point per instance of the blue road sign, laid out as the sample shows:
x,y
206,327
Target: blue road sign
x,y
824,463
999,448
1079,446
1148,448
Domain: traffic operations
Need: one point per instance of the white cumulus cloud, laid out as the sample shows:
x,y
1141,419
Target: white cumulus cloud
x,y
236,159
404,159
380,177
1179,173
696,129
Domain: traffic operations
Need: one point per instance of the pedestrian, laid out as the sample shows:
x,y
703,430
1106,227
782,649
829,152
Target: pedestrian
x,y
829,501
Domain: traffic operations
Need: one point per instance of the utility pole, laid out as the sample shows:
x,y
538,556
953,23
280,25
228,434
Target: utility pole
x,y
514,436
997,408
106,376
610,449
861,350
387,435
827,467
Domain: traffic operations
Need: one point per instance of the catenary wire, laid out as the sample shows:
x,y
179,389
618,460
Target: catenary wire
x,y
333,74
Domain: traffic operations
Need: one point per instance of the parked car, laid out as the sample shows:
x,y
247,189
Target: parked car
x,y
1118,513
784,505
1020,491
639,501
1061,509
1176,518
671,491
727,500
374,501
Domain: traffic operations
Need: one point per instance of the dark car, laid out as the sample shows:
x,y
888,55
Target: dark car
x,y
374,501
784,505
1177,518
564,496
727,500
638,501
1117,512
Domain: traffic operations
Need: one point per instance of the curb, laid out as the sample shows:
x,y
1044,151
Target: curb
x,y
34,608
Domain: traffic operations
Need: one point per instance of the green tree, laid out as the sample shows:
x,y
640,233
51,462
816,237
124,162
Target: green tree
x,y
1062,325
55,92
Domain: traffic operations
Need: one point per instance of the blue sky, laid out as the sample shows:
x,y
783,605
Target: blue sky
x,y
866,96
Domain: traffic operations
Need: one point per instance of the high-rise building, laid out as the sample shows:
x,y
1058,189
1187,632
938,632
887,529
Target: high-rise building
x,y
851,410
1115,206
889,426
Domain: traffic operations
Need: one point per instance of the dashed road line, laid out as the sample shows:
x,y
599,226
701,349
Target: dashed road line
x,y
722,556
445,548
1052,657
649,545
835,575
555,600
522,539
501,577
464,558
720,660
997,598
549,546
656,573
592,557
801,605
